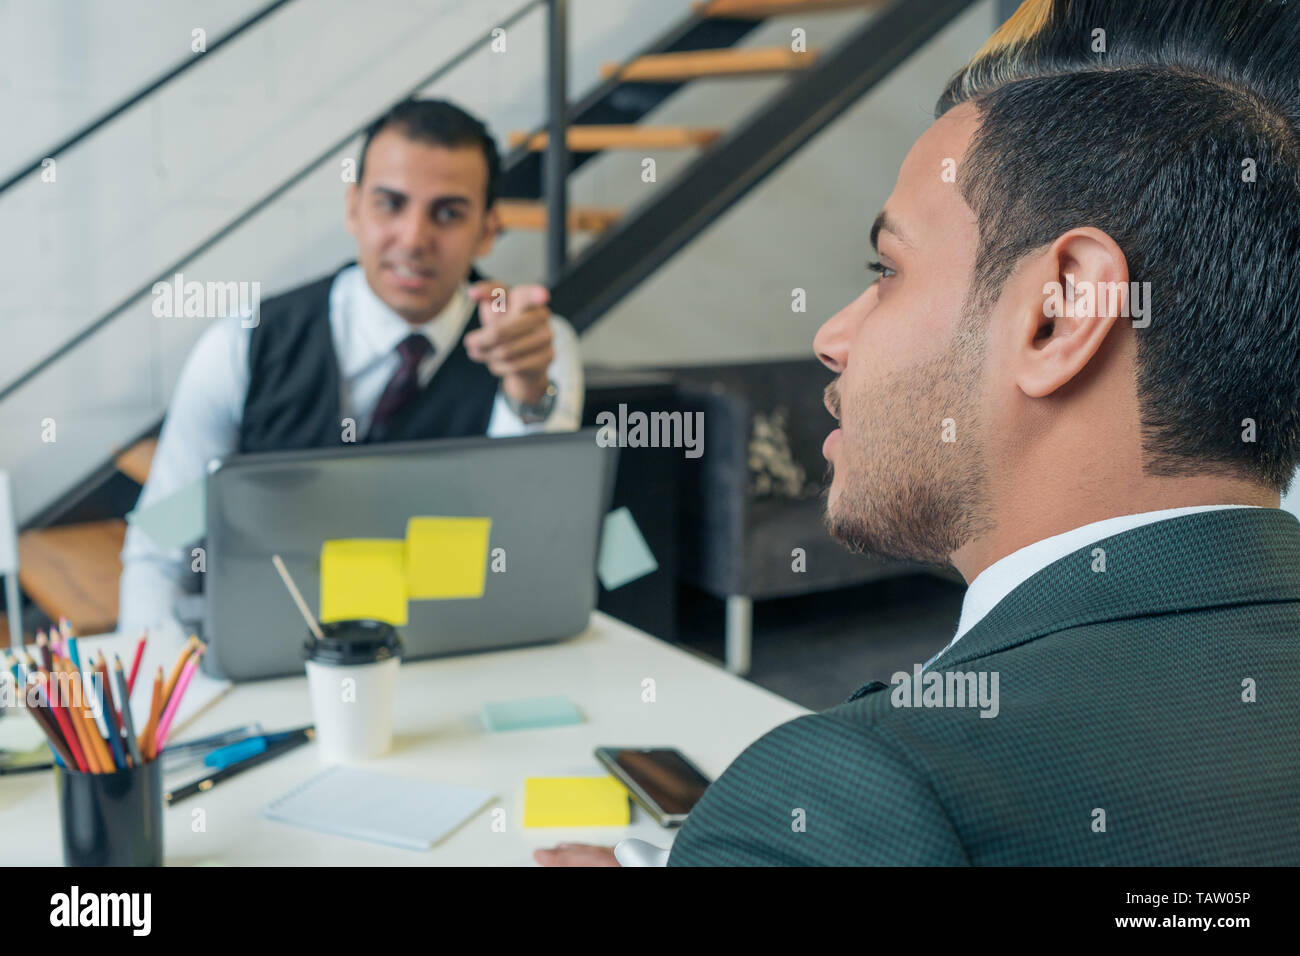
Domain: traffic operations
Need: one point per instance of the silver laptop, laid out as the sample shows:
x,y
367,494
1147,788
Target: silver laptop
x,y
546,495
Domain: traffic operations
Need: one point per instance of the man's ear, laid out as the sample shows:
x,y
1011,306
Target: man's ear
x,y
1081,285
491,229
351,199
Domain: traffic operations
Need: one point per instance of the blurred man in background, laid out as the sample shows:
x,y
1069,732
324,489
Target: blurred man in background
x,y
409,342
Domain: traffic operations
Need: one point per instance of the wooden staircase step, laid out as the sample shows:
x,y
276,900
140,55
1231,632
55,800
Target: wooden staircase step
x,y
134,462
758,9
73,571
531,214
591,139
694,64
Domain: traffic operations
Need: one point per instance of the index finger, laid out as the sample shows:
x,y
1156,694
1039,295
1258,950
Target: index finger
x,y
519,299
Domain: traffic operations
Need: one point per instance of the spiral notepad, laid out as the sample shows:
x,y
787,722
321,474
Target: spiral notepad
x,y
396,811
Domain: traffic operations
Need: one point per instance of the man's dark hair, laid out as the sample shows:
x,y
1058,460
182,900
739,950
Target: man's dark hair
x,y
1181,141
442,124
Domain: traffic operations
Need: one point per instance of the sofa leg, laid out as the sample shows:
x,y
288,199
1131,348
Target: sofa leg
x,y
740,627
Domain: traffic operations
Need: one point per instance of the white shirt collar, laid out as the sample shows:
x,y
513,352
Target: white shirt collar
x,y
372,330
1006,574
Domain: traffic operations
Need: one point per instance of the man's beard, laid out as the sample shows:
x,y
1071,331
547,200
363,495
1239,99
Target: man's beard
x,y
906,494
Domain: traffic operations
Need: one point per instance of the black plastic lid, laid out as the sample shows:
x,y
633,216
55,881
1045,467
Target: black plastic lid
x,y
353,642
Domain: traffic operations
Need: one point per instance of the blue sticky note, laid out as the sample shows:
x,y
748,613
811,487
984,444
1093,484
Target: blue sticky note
x,y
624,555
530,714
177,520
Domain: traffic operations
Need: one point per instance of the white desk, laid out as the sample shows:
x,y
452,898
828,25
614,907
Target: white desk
x,y
708,714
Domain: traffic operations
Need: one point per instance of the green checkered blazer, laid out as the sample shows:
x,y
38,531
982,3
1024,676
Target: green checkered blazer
x,y
1125,732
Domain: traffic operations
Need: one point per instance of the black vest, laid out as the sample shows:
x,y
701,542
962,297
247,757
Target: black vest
x,y
294,382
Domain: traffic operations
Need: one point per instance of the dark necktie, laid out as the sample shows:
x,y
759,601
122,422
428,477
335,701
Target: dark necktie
x,y
401,388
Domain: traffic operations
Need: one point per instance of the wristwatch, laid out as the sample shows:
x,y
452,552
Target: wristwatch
x,y
532,413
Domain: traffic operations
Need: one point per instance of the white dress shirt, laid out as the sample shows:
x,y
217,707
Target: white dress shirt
x,y
204,417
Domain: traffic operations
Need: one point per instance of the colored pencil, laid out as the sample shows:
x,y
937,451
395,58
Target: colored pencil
x,y
128,722
76,716
76,702
110,715
146,735
110,691
103,757
174,704
43,650
135,664
45,717
175,675
94,692
60,711
40,711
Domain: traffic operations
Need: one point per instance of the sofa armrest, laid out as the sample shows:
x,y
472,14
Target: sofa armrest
x,y
714,493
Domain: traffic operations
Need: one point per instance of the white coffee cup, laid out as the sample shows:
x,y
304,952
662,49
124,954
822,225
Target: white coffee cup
x,y
352,679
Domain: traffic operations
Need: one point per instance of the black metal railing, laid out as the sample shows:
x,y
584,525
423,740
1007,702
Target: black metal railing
x,y
113,112
557,142
640,243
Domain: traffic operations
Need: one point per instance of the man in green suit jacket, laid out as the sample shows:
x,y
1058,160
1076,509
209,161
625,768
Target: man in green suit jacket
x,y
1077,381
1146,715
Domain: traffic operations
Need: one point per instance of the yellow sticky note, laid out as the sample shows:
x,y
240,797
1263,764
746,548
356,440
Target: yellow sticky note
x,y
446,557
363,578
575,802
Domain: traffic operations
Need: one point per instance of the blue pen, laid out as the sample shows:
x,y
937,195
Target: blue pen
x,y
224,757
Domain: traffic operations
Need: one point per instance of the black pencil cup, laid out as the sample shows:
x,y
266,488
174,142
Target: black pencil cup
x,y
112,819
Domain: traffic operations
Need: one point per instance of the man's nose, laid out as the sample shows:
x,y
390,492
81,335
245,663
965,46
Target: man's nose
x,y
834,337
416,232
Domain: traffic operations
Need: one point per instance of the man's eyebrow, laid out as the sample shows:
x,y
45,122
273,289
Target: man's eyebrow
x,y
455,199
884,222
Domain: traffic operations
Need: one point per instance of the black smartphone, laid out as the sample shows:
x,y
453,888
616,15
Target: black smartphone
x,y
660,779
